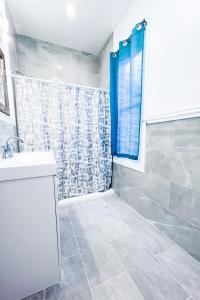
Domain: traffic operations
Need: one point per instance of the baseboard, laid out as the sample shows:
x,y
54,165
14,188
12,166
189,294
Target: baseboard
x,y
67,201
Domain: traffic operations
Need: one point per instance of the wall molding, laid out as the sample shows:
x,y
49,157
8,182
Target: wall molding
x,y
177,115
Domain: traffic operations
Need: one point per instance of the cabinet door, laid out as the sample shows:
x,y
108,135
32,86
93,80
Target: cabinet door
x,y
28,237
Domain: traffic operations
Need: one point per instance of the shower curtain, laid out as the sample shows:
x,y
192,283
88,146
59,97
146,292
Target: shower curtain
x,y
74,123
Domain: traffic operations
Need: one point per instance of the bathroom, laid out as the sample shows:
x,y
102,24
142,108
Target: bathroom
x,y
99,150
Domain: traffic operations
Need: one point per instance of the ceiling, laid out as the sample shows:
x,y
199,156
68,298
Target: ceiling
x,y
87,30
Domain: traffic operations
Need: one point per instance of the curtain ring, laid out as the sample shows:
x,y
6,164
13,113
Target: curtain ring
x,y
139,26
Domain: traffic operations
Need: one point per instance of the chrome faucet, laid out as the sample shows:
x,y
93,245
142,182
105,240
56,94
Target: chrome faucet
x,y
8,149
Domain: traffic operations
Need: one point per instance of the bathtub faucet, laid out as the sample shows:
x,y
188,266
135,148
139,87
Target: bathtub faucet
x,y
8,149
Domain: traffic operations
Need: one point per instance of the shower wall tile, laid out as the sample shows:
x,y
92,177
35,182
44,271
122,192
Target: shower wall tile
x,y
167,165
6,130
104,64
12,40
8,46
186,203
48,61
136,199
186,237
160,137
191,162
168,193
165,216
187,134
157,188
151,185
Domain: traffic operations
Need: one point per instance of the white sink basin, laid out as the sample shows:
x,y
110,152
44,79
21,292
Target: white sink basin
x,y
27,165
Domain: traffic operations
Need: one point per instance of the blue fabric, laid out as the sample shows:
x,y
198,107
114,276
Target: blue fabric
x,y
114,61
126,69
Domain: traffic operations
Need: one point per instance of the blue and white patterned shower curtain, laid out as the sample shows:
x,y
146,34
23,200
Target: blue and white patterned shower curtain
x,y
74,123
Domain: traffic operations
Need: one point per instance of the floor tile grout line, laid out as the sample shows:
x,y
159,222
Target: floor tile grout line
x,y
110,243
105,281
119,238
165,250
153,225
81,258
130,276
183,250
174,277
68,256
127,270
194,226
146,221
155,256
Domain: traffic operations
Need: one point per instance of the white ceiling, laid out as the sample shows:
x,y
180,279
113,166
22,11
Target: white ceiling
x,y
87,31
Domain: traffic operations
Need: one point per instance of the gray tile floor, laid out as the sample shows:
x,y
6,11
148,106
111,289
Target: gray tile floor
x,y
110,252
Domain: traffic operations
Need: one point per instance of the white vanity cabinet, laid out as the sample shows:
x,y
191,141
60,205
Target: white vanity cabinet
x,y
29,244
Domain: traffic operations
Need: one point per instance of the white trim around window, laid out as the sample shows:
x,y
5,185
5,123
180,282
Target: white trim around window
x,y
137,165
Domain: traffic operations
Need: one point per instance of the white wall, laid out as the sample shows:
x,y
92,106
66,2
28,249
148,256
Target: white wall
x,y
172,67
5,43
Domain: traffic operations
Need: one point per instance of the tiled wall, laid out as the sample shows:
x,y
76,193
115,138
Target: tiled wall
x,y
12,41
168,193
104,64
45,60
48,61
6,130
7,123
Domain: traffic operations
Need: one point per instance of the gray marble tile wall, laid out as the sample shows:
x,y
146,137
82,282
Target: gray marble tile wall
x,y
12,44
48,61
168,193
7,123
104,64
6,130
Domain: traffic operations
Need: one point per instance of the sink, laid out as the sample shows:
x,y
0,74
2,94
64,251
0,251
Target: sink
x,y
26,165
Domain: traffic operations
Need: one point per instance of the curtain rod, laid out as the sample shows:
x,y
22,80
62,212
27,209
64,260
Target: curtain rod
x,y
137,25
59,82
